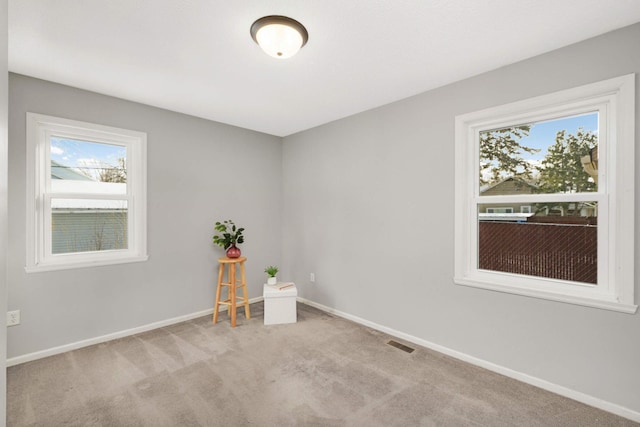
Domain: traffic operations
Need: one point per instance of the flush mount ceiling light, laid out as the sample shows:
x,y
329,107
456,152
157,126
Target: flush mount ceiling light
x,y
279,36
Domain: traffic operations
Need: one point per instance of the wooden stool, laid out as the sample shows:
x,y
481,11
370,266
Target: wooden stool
x,y
233,284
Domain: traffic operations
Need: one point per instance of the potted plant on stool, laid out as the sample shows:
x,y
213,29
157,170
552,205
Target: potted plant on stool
x,y
230,237
271,272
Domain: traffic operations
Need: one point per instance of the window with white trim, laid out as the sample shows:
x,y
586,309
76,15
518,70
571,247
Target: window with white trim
x,y
569,156
86,194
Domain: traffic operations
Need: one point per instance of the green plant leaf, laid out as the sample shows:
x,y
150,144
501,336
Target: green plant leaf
x,y
231,234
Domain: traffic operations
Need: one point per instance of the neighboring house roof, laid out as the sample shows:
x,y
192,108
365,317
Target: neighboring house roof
x,y
590,163
59,171
67,180
509,185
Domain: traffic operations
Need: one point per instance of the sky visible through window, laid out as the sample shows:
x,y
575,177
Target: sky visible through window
x,y
86,157
507,153
543,134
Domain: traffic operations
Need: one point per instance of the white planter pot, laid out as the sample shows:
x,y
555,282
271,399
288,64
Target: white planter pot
x,y
272,280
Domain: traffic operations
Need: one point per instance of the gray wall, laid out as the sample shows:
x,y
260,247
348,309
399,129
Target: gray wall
x,y
369,208
3,205
198,172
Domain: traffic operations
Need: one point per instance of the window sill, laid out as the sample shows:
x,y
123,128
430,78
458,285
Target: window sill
x,y
602,302
84,264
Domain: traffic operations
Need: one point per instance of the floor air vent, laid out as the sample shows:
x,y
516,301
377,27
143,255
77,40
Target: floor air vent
x,y
401,346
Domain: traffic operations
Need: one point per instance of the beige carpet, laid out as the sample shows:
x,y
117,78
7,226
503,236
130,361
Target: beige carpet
x,y
322,371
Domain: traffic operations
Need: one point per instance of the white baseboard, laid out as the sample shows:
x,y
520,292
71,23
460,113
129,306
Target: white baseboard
x,y
115,335
525,378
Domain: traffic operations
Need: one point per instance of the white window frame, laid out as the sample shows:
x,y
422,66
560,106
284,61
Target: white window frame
x,y
40,129
525,209
614,99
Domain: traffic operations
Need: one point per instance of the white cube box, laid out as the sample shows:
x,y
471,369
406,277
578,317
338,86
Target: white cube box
x,y
280,303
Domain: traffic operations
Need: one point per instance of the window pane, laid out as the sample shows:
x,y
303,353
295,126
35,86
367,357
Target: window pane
x,y
84,225
553,156
87,167
555,240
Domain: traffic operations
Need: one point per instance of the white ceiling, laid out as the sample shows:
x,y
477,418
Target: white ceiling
x,y
197,56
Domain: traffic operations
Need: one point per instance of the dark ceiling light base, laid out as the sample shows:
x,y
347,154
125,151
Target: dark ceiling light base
x,y
279,36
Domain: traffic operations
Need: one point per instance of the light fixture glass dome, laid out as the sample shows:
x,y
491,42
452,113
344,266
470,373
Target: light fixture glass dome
x,y
279,36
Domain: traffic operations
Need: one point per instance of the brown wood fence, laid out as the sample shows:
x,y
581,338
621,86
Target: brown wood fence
x,y
558,251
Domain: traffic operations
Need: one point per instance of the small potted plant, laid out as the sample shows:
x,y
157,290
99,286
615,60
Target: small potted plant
x,y
271,272
230,237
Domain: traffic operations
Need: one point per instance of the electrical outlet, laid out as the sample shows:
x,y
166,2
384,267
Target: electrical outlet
x,y
13,317
312,277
